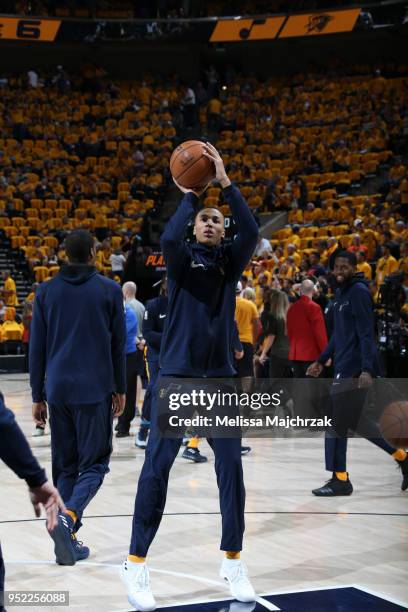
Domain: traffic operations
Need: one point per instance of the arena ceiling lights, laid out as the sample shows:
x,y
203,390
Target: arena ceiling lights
x,y
310,24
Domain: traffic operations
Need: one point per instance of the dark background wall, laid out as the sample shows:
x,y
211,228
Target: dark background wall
x,y
127,60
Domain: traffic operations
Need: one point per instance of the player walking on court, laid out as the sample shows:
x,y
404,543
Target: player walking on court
x,y
353,349
202,278
77,365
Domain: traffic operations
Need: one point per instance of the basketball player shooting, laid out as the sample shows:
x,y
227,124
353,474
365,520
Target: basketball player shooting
x,y
202,278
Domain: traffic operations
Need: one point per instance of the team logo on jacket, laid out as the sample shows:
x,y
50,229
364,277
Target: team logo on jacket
x,y
197,265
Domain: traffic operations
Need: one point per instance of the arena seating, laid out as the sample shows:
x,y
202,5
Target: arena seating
x,y
99,160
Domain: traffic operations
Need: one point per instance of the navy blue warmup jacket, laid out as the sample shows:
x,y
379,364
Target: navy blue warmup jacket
x,y
15,451
78,335
198,333
352,345
153,325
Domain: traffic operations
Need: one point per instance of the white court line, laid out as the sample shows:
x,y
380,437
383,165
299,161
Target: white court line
x,y
340,586
116,566
266,604
260,600
335,586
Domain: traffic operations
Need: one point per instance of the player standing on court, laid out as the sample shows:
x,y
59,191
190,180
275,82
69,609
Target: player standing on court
x,y
202,279
353,349
77,366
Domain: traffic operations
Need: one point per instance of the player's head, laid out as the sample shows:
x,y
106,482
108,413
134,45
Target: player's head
x,y
344,267
209,226
79,247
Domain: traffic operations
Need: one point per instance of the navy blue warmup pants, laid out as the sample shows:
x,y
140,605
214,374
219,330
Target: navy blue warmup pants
x,y
153,371
2,574
153,481
347,413
81,445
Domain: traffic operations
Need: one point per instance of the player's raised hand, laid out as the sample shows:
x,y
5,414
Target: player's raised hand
x,y
220,173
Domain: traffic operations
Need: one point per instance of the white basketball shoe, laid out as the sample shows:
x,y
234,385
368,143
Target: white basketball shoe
x,y
135,577
235,573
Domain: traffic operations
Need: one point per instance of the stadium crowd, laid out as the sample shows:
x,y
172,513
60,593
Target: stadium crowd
x,y
325,151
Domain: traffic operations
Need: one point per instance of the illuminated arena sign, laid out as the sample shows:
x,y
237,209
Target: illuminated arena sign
x,y
36,30
327,22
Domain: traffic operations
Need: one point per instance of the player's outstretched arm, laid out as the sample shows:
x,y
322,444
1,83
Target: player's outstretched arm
x,y
247,236
174,249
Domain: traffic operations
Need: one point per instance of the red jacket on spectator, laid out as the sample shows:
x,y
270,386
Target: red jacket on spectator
x,y
306,330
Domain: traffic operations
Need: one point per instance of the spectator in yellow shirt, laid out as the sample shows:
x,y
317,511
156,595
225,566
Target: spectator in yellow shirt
x,y
386,265
31,296
9,289
295,238
247,318
311,213
321,248
292,252
332,245
363,266
340,213
214,114
11,330
403,262
288,269
295,214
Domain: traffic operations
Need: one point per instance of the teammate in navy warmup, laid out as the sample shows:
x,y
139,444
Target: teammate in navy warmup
x,y
77,353
16,453
197,341
353,348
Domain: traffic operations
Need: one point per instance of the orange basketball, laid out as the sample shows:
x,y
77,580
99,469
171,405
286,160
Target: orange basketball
x,y
189,167
394,424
